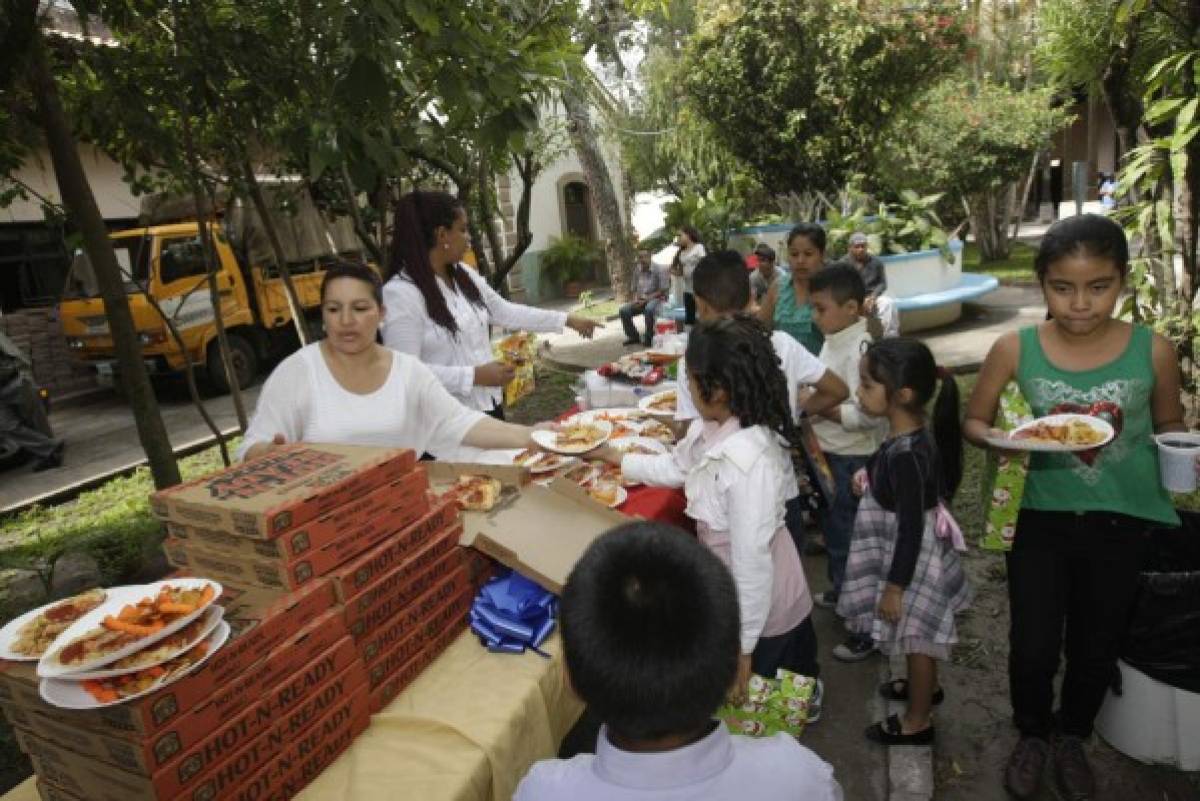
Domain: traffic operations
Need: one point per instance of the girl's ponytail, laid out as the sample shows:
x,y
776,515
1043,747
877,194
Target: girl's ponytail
x,y
947,432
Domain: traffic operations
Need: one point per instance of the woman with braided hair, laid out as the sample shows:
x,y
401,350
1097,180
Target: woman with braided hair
x,y
735,466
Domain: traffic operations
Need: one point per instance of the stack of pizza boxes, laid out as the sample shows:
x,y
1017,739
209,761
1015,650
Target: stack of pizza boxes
x,y
343,580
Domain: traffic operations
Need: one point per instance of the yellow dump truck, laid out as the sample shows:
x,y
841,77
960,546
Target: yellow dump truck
x,y
166,262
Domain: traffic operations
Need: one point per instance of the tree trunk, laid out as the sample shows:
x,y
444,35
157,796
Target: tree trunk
x,y
618,249
988,225
487,218
81,205
289,288
1019,211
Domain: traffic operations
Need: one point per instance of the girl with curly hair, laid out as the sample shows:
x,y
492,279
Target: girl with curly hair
x,y
735,466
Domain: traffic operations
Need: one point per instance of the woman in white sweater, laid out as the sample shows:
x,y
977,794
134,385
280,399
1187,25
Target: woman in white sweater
x,y
442,312
349,389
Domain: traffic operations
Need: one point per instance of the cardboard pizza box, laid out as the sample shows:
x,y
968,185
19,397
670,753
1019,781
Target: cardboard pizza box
x,y
286,488
236,568
393,631
400,587
299,697
408,491
542,532
363,571
388,686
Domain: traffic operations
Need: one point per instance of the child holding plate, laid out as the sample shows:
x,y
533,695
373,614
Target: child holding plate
x,y
1083,525
735,466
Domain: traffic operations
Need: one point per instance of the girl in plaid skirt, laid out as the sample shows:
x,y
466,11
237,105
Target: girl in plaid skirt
x,y
904,581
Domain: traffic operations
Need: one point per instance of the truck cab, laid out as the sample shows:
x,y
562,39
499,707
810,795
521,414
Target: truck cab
x,y
164,265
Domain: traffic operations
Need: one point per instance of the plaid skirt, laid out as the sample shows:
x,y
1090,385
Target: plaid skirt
x,y
938,589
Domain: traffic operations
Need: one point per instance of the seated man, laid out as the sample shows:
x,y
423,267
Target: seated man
x,y
651,638
649,287
878,308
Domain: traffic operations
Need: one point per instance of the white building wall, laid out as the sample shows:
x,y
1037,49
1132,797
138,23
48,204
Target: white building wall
x,y
111,192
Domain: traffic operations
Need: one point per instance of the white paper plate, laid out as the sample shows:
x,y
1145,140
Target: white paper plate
x,y
10,632
548,439
1008,443
645,403
629,417
622,496
624,445
215,614
49,668
69,694
549,463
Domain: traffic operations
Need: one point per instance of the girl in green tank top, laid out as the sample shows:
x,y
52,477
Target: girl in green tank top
x,y
786,306
1082,532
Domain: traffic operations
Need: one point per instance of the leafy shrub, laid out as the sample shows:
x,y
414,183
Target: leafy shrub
x,y
571,258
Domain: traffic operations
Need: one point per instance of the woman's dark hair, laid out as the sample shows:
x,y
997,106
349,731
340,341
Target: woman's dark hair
x,y
359,272
735,354
901,362
1091,235
693,233
418,216
650,630
811,231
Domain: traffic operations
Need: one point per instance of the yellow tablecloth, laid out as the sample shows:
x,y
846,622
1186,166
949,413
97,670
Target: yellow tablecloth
x,y
466,730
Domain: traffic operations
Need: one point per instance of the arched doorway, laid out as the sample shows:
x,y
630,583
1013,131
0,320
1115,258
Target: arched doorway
x,y
577,210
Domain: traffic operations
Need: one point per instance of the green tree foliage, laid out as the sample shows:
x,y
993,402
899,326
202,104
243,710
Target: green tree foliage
x,y
971,140
800,91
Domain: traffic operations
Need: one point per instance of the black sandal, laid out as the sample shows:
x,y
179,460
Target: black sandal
x,y
890,732
897,690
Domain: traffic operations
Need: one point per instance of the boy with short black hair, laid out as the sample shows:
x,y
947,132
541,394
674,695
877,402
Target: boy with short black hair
x,y
846,435
722,289
651,637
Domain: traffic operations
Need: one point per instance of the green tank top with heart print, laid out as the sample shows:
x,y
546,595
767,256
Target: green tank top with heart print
x,y
1121,476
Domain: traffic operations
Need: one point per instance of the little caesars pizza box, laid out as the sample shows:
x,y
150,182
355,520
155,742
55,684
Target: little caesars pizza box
x,y
291,485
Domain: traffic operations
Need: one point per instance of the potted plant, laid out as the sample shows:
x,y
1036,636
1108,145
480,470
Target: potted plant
x,y
569,261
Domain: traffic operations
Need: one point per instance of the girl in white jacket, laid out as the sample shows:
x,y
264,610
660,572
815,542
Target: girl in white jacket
x,y
735,467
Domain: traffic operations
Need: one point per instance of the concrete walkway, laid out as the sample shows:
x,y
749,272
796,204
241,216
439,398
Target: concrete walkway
x,y
960,346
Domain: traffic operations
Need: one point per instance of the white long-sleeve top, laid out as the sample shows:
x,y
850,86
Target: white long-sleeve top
x,y
737,481
453,358
305,403
688,259
800,368
859,434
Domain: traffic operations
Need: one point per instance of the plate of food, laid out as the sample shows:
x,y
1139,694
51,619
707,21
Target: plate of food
x,y
127,623
26,638
476,492
644,446
659,432
573,439
610,494
164,650
582,474
96,693
660,404
536,461
1057,433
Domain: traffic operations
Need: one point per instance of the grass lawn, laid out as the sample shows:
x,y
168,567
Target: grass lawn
x,y
599,311
1018,267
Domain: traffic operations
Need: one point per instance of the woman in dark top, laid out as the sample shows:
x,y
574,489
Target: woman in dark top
x,y
904,581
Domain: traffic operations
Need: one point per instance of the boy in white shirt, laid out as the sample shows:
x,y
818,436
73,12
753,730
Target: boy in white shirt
x,y
846,435
651,637
722,289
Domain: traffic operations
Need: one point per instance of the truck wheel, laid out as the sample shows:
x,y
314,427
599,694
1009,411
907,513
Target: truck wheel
x,y
243,356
